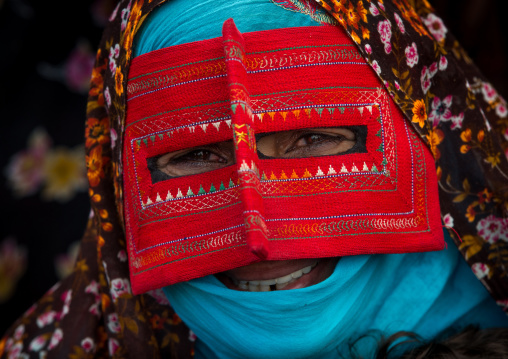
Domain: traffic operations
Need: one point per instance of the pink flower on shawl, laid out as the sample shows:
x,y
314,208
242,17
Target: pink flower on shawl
x,y
399,23
192,336
38,343
480,270
113,323
376,67
493,229
411,55
440,110
46,318
113,346
368,49
95,309
381,6
88,345
385,31
397,86
55,338
448,220
436,27
457,121
373,9
443,63
114,52
120,286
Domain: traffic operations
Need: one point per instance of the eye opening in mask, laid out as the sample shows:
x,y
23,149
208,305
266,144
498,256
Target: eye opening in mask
x,y
292,144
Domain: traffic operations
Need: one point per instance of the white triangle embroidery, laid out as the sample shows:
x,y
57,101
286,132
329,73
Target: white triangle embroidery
x,y
369,108
169,196
148,201
343,169
192,128
244,166
319,172
354,169
360,109
365,168
204,126
179,194
228,122
331,171
216,125
158,199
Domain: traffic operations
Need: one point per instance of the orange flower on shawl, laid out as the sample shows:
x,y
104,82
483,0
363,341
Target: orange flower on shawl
x,y
95,164
352,17
97,131
435,137
119,81
362,12
419,113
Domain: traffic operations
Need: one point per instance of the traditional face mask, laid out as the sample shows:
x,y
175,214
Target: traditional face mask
x,y
273,145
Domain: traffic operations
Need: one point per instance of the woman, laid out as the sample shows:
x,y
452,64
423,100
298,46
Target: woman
x,y
155,168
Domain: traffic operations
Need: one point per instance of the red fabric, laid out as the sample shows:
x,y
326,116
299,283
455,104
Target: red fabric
x,y
381,201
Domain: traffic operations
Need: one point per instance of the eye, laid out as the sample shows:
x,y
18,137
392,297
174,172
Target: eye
x,y
307,142
192,161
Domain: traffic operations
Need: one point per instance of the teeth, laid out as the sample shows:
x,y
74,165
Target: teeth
x,y
267,285
268,282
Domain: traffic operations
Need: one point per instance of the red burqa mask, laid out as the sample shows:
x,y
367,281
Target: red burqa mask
x,y
187,218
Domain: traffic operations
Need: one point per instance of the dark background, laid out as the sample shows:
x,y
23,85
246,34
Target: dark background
x,y
46,52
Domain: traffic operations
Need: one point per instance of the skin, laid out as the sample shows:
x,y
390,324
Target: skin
x,y
301,143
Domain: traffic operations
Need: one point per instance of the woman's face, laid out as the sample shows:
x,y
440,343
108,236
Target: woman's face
x,y
311,142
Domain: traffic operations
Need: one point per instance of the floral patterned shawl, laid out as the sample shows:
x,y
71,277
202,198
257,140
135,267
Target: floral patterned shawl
x,y
456,111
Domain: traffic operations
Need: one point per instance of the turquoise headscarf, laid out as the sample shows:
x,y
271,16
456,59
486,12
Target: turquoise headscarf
x,y
425,293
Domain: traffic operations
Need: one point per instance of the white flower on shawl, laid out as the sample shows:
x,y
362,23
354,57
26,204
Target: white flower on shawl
x,y
14,352
18,333
120,286
425,79
493,229
88,345
385,33
448,220
399,23
122,255
113,323
107,96
501,110
376,67
159,296
411,55
443,63
113,346
440,110
373,9
457,121
125,15
436,27
55,338
489,93
480,270
46,318
38,343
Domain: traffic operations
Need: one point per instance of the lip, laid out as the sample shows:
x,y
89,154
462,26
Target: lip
x,y
322,268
